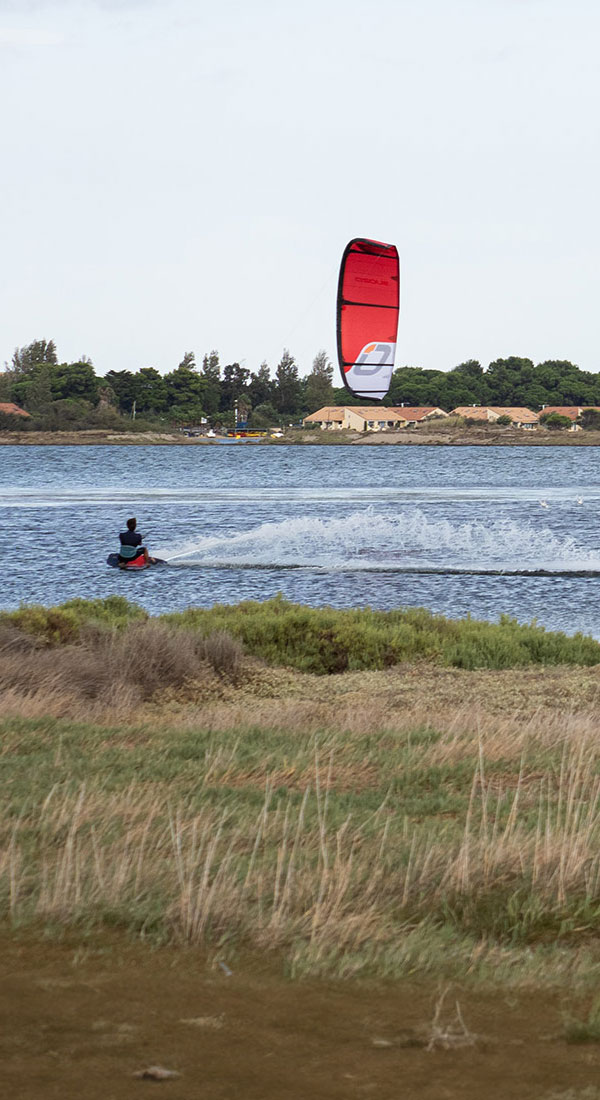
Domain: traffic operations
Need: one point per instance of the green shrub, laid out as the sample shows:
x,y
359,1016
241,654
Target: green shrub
x,y
52,625
112,610
60,625
323,640
555,421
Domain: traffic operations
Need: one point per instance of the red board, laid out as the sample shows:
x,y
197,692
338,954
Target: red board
x,y
367,316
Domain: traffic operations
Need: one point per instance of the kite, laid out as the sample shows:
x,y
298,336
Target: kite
x,y
368,305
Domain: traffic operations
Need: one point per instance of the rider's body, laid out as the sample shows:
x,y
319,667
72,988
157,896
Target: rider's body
x,y
131,545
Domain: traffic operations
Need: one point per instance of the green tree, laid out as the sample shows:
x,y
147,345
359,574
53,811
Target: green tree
x,y
234,387
506,378
318,385
124,385
211,383
411,386
565,384
288,389
71,414
590,420
264,416
471,369
261,387
39,391
211,369
6,384
185,394
38,353
74,381
151,395
464,385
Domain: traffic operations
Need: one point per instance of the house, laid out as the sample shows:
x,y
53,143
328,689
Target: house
x,y
371,418
474,412
572,412
363,418
416,414
331,417
8,408
519,416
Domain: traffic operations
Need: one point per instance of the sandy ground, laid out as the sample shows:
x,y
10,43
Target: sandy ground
x,y
81,1022
482,437
96,438
486,436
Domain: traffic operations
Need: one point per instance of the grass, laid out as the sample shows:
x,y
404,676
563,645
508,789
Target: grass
x,y
181,839
107,657
412,819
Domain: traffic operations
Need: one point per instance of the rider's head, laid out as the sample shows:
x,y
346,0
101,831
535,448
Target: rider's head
x,y
131,524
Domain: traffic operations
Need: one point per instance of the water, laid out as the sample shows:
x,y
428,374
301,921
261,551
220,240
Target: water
x,y
458,530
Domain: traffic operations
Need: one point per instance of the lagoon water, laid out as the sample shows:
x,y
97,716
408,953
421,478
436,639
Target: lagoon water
x,y
340,525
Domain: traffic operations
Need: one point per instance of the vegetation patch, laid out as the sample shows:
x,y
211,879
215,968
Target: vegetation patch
x,y
389,821
324,640
320,640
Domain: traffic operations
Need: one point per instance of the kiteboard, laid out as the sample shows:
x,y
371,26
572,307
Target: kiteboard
x,y
133,566
368,306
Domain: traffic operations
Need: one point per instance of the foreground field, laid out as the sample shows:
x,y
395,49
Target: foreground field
x,y
413,818
407,817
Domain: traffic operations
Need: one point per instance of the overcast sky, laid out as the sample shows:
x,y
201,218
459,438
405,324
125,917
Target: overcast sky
x,y
184,175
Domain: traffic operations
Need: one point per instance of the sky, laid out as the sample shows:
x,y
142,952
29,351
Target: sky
x,y
183,175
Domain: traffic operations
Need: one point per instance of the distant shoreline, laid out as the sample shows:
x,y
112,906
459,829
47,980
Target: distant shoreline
x,y
484,436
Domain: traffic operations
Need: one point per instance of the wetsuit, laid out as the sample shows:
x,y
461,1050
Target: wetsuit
x,y
130,540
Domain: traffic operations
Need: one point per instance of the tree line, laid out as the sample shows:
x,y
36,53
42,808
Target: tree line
x,y
71,395
61,395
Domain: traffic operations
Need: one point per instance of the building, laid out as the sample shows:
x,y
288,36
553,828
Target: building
x,y
373,418
370,418
416,414
572,412
8,408
519,416
330,416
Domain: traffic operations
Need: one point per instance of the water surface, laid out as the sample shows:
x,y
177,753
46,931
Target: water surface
x,y
343,525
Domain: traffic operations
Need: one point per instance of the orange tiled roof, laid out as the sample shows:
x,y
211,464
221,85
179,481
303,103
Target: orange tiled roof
x,y
572,411
417,412
516,412
10,409
480,412
328,412
368,412
473,412
377,412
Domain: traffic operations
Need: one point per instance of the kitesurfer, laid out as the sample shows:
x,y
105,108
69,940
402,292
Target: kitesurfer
x,y
131,545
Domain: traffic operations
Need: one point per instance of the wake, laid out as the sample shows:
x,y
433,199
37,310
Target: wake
x,y
407,542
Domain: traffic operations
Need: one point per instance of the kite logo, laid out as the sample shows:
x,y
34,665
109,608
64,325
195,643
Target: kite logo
x,y
373,356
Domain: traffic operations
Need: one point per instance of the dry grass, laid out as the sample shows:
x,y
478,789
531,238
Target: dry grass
x,y
331,892
417,820
108,673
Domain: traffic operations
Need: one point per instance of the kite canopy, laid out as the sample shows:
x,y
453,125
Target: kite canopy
x,y
368,305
